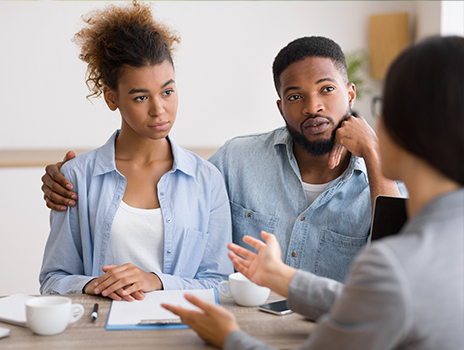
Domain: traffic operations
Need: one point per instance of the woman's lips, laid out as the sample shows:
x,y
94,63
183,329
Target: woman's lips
x,y
159,126
316,126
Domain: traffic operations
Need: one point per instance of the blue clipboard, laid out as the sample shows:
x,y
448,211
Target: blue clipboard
x,y
168,324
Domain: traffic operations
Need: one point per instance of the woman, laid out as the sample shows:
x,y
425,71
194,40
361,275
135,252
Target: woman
x,y
407,290
150,215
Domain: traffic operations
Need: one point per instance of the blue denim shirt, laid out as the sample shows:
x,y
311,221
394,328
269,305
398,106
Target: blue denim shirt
x,y
266,193
196,213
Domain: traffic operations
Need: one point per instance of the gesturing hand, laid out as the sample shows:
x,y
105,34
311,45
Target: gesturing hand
x,y
265,268
212,323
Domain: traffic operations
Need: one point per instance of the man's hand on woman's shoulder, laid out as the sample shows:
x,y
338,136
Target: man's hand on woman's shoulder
x,y
57,189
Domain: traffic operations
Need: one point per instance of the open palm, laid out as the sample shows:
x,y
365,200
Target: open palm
x,y
257,266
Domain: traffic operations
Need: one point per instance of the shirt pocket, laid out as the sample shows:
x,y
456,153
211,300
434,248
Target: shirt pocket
x,y
192,253
335,254
249,222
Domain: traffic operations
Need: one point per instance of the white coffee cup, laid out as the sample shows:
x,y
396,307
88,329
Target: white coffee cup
x,y
50,315
244,292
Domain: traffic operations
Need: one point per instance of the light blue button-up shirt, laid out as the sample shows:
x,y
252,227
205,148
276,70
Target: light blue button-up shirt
x,y
196,213
266,193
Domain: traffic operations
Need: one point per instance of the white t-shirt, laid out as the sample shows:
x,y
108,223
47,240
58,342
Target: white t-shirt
x,y
313,191
137,236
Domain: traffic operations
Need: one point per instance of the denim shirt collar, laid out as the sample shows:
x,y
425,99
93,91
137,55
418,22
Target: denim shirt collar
x,y
105,159
284,140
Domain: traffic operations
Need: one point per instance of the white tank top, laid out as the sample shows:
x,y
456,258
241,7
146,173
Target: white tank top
x,y
137,236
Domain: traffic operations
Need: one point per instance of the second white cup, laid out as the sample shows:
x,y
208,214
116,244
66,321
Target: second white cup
x,y
244,292
51,314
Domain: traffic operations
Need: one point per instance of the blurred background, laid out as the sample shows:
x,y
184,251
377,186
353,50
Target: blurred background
x,y
224,81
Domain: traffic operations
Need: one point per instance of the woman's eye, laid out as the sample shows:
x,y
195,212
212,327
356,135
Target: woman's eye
x,y
140,98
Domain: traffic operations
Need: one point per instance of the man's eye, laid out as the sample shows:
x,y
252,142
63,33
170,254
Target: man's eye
x,y
140,98
328,89
169,92
294,97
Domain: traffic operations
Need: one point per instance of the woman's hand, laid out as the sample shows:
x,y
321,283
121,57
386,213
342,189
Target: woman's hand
x,y
212,323
125,282
265,268
56,188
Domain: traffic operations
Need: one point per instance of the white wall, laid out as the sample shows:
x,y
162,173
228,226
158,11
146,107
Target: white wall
x,y
23,229
223,67
428,19
452,18
223,74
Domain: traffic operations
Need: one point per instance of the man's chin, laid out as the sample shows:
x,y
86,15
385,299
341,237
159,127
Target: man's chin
x,y
319,149
316,148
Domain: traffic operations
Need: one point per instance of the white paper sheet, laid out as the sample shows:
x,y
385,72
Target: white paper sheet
x,y
131,313
13,309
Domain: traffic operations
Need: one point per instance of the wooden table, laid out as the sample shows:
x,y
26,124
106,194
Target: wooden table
x,y
283,332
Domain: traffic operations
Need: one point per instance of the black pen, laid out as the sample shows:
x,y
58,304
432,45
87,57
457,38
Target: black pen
x,y
94,314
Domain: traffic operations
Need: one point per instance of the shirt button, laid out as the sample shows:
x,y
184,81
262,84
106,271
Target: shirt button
x,y
169,251
168,220
302,218
162,193
248,215
294,254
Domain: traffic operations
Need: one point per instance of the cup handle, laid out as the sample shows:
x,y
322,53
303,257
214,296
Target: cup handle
x,y
77,312
225,293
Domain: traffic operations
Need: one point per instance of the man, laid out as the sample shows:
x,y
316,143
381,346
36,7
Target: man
x,y
311,183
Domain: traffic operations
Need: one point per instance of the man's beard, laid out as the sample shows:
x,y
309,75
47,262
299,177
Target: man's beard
x,y
319,147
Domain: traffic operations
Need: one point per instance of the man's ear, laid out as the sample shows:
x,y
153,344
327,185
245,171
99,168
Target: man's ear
x,y
110,98
279,106
351,94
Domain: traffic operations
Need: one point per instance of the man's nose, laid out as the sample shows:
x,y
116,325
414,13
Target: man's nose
x,y
313,105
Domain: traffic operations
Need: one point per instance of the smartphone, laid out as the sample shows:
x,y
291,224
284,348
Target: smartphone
x,y
277,308
389,216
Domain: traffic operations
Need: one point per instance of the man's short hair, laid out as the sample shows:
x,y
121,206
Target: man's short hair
x,y
312,46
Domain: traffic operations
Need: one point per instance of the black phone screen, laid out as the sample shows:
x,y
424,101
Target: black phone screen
x,y
277,308
389,216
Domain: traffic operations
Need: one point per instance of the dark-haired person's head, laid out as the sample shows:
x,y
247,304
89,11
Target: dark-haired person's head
x,y
423,108
301,48
315,97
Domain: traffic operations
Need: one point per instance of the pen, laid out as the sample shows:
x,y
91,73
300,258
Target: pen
x,y
158,322
94,314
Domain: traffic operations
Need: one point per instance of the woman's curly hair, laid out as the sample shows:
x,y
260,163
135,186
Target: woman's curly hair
x,y
120,36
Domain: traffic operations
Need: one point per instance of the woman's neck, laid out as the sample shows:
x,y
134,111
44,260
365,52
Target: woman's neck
x,y
425,184
132,147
